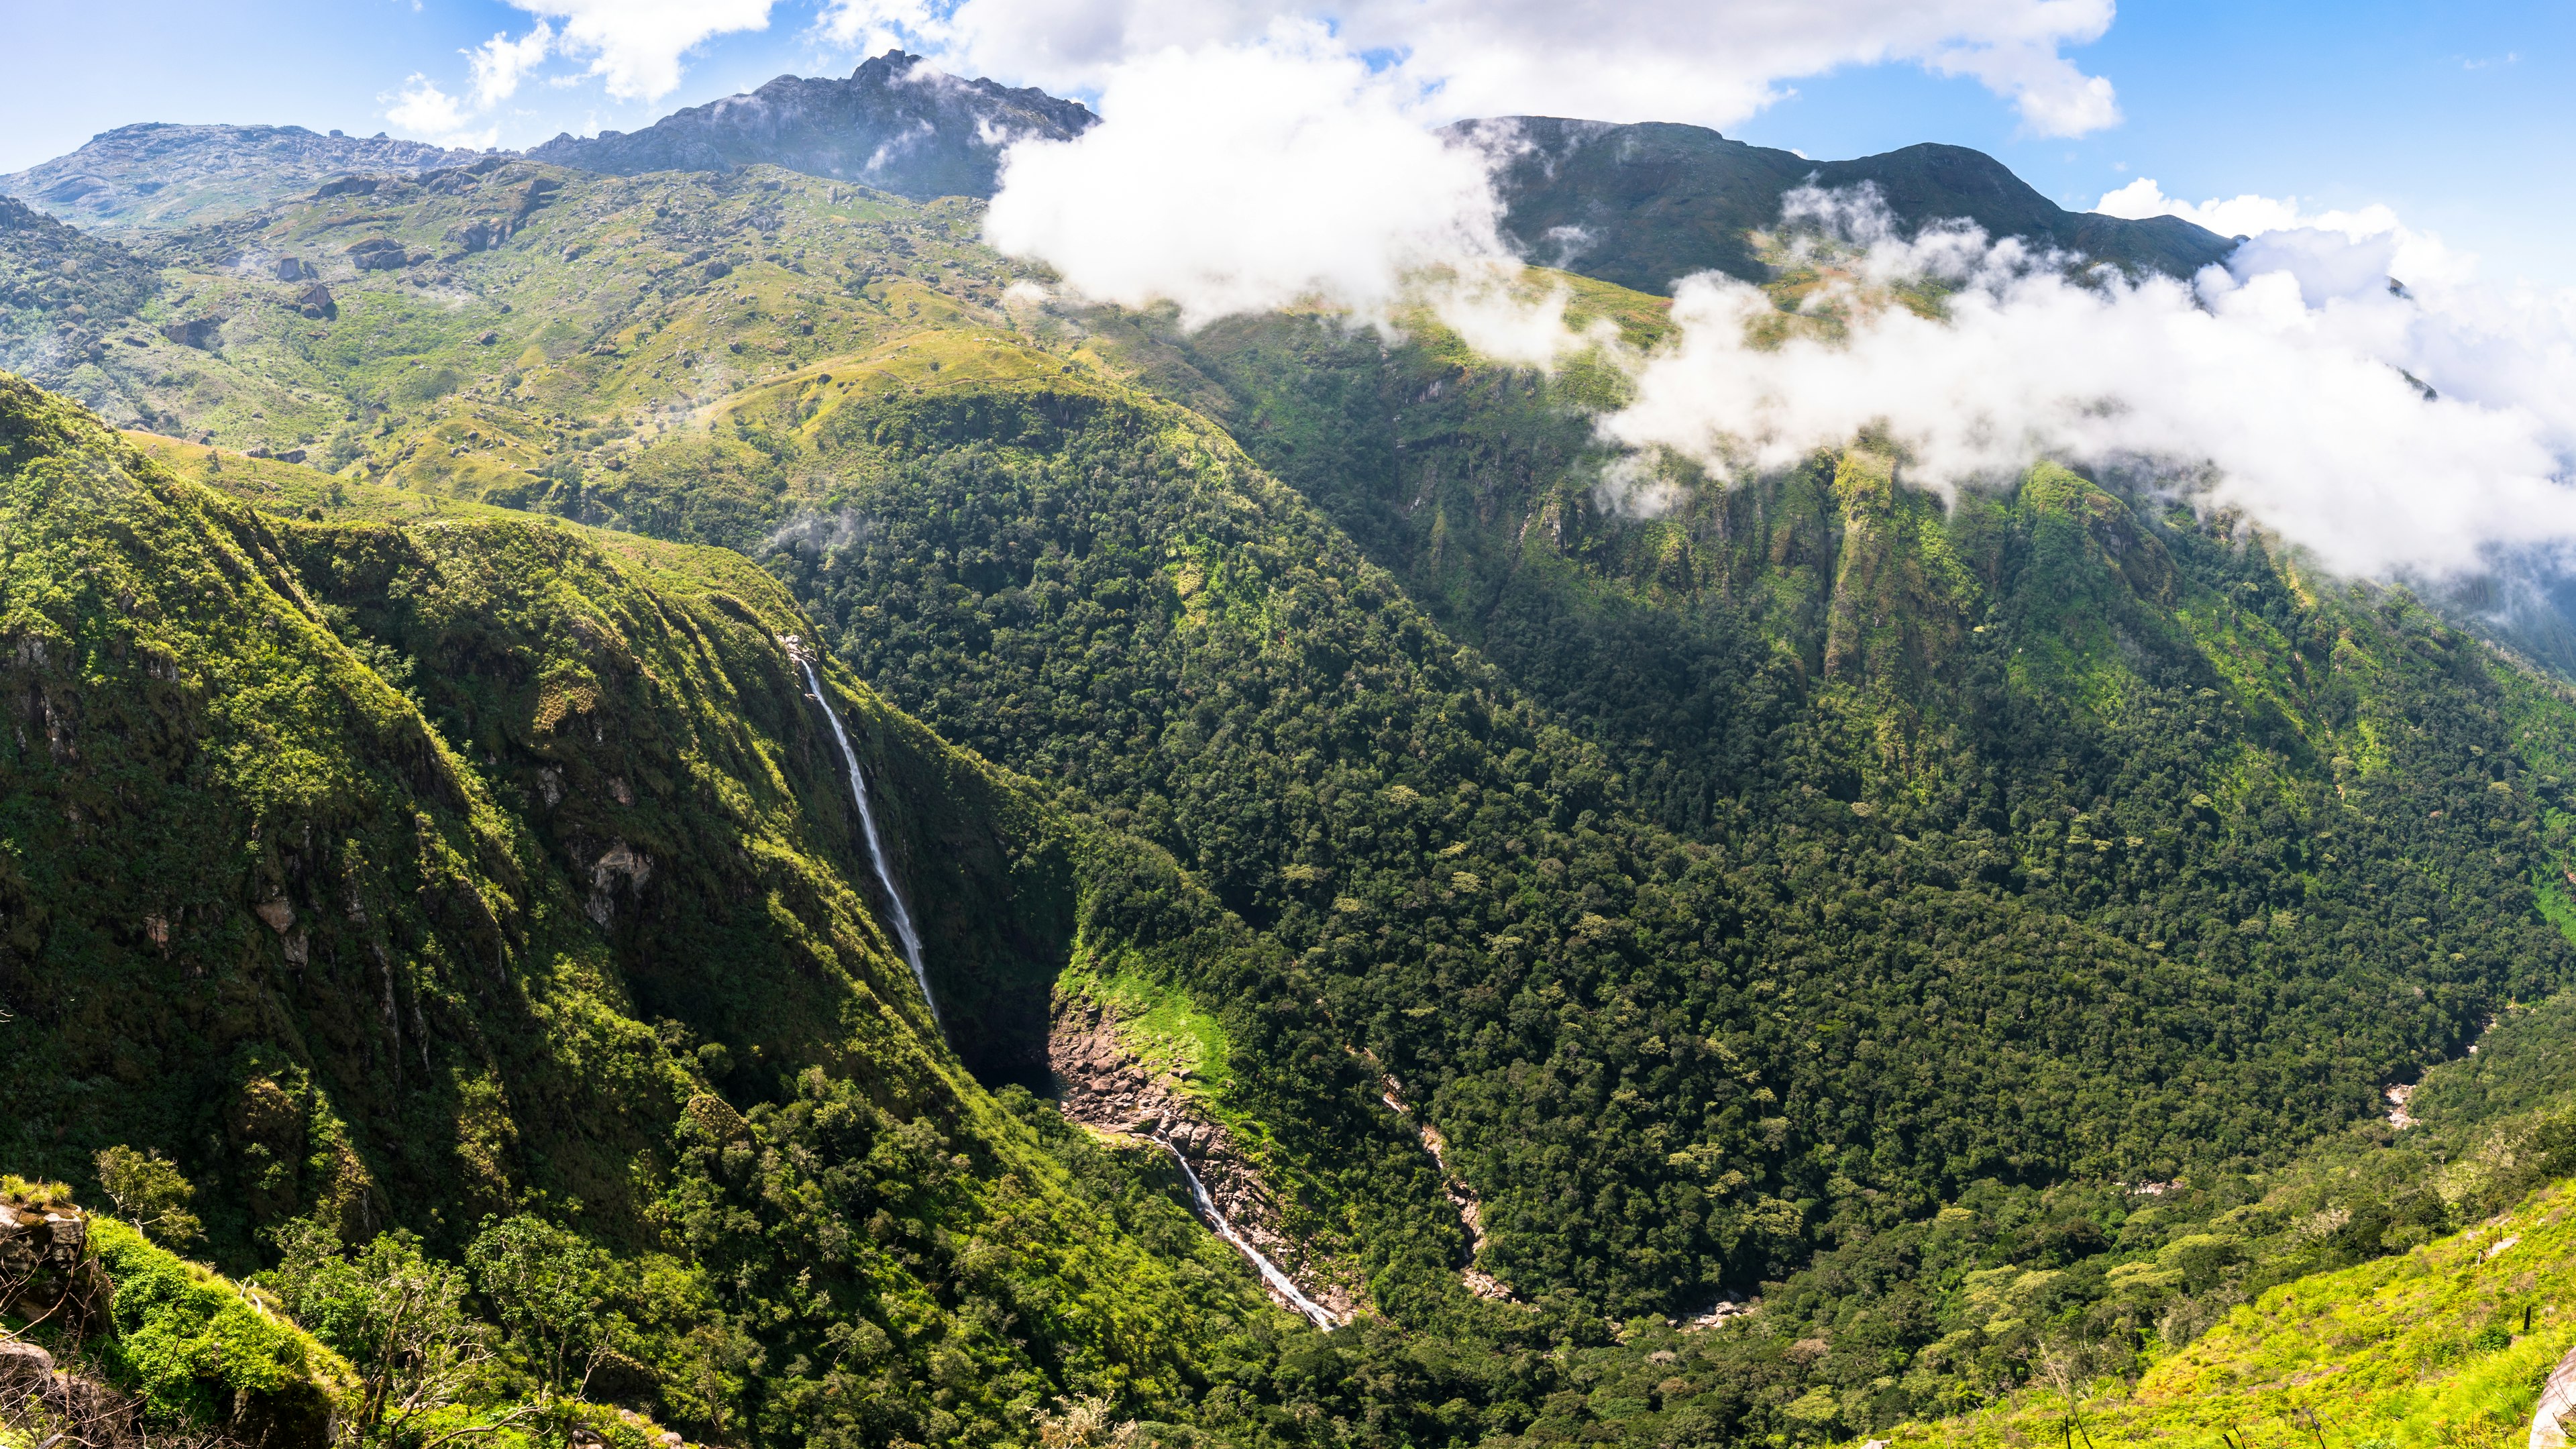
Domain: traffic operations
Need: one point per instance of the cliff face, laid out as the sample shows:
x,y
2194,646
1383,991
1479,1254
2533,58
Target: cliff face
x,y
1101,1083
897,124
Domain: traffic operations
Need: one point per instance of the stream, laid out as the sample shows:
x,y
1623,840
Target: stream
x,y
1270,1274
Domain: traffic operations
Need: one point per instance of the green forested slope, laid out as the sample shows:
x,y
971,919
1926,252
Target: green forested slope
x,y
432,879
2021,788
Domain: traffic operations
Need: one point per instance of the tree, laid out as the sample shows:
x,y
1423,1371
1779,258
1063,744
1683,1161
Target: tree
x,y
397,1315
149,1193
553,1291
1082,1423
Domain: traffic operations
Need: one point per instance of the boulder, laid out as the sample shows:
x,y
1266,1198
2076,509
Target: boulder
x,y
24,1366
481,234
379,254
2557,1403
317,302
295,269
201,333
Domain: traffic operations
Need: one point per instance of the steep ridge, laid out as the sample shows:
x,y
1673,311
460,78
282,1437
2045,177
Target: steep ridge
x,y
429,877
158,175
1643,205
898,123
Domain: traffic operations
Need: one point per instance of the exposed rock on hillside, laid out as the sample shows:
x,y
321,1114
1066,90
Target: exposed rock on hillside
x,y
61,293
163,175
44,1271
1642,205
897,124
1101,1085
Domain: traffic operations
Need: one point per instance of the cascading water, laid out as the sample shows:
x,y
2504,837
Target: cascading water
x,y
909,938
1270,1274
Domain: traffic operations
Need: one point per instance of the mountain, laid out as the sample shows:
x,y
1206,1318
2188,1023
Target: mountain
x,y
1643,205
161,175
898,124
1742,964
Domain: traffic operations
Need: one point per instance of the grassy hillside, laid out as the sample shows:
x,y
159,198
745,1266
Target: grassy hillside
x,y
2446,1344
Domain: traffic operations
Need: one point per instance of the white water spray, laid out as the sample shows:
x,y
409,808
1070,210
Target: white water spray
x,y
1270,1274
903,931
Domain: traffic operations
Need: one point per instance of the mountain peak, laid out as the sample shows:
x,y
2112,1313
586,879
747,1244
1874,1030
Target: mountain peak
x,y
897,123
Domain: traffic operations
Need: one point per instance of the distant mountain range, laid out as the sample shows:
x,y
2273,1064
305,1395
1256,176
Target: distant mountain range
x,y
1641,205
1638,205
160,175
897,124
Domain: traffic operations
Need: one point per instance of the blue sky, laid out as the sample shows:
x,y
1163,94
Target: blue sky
x,y
2462,118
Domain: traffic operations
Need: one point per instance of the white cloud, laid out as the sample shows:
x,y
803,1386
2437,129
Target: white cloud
x,y
1245,178
2274,386
636,46
499,64
421,109
2420,258
1614,60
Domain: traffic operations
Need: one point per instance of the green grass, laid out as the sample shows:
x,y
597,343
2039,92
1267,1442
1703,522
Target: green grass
x,y
1169,1033
2426,1347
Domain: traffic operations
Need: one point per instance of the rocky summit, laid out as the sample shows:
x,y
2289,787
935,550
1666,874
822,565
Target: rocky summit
x,y
897,124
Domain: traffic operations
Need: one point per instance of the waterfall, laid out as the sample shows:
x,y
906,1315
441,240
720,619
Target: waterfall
x,y
1270,1273
903,931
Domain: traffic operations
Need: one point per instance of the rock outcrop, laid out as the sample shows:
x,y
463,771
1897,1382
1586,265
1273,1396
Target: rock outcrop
x,y
1100,1084
379,254
44,1274
202,333
2557,1402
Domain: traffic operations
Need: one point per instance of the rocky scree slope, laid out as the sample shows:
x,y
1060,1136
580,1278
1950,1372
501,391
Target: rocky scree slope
x,y
897,123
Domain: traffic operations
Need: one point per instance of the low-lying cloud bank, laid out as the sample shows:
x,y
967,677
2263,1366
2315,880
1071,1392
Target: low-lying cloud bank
x,y
1242,179
2297,384
2342,381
